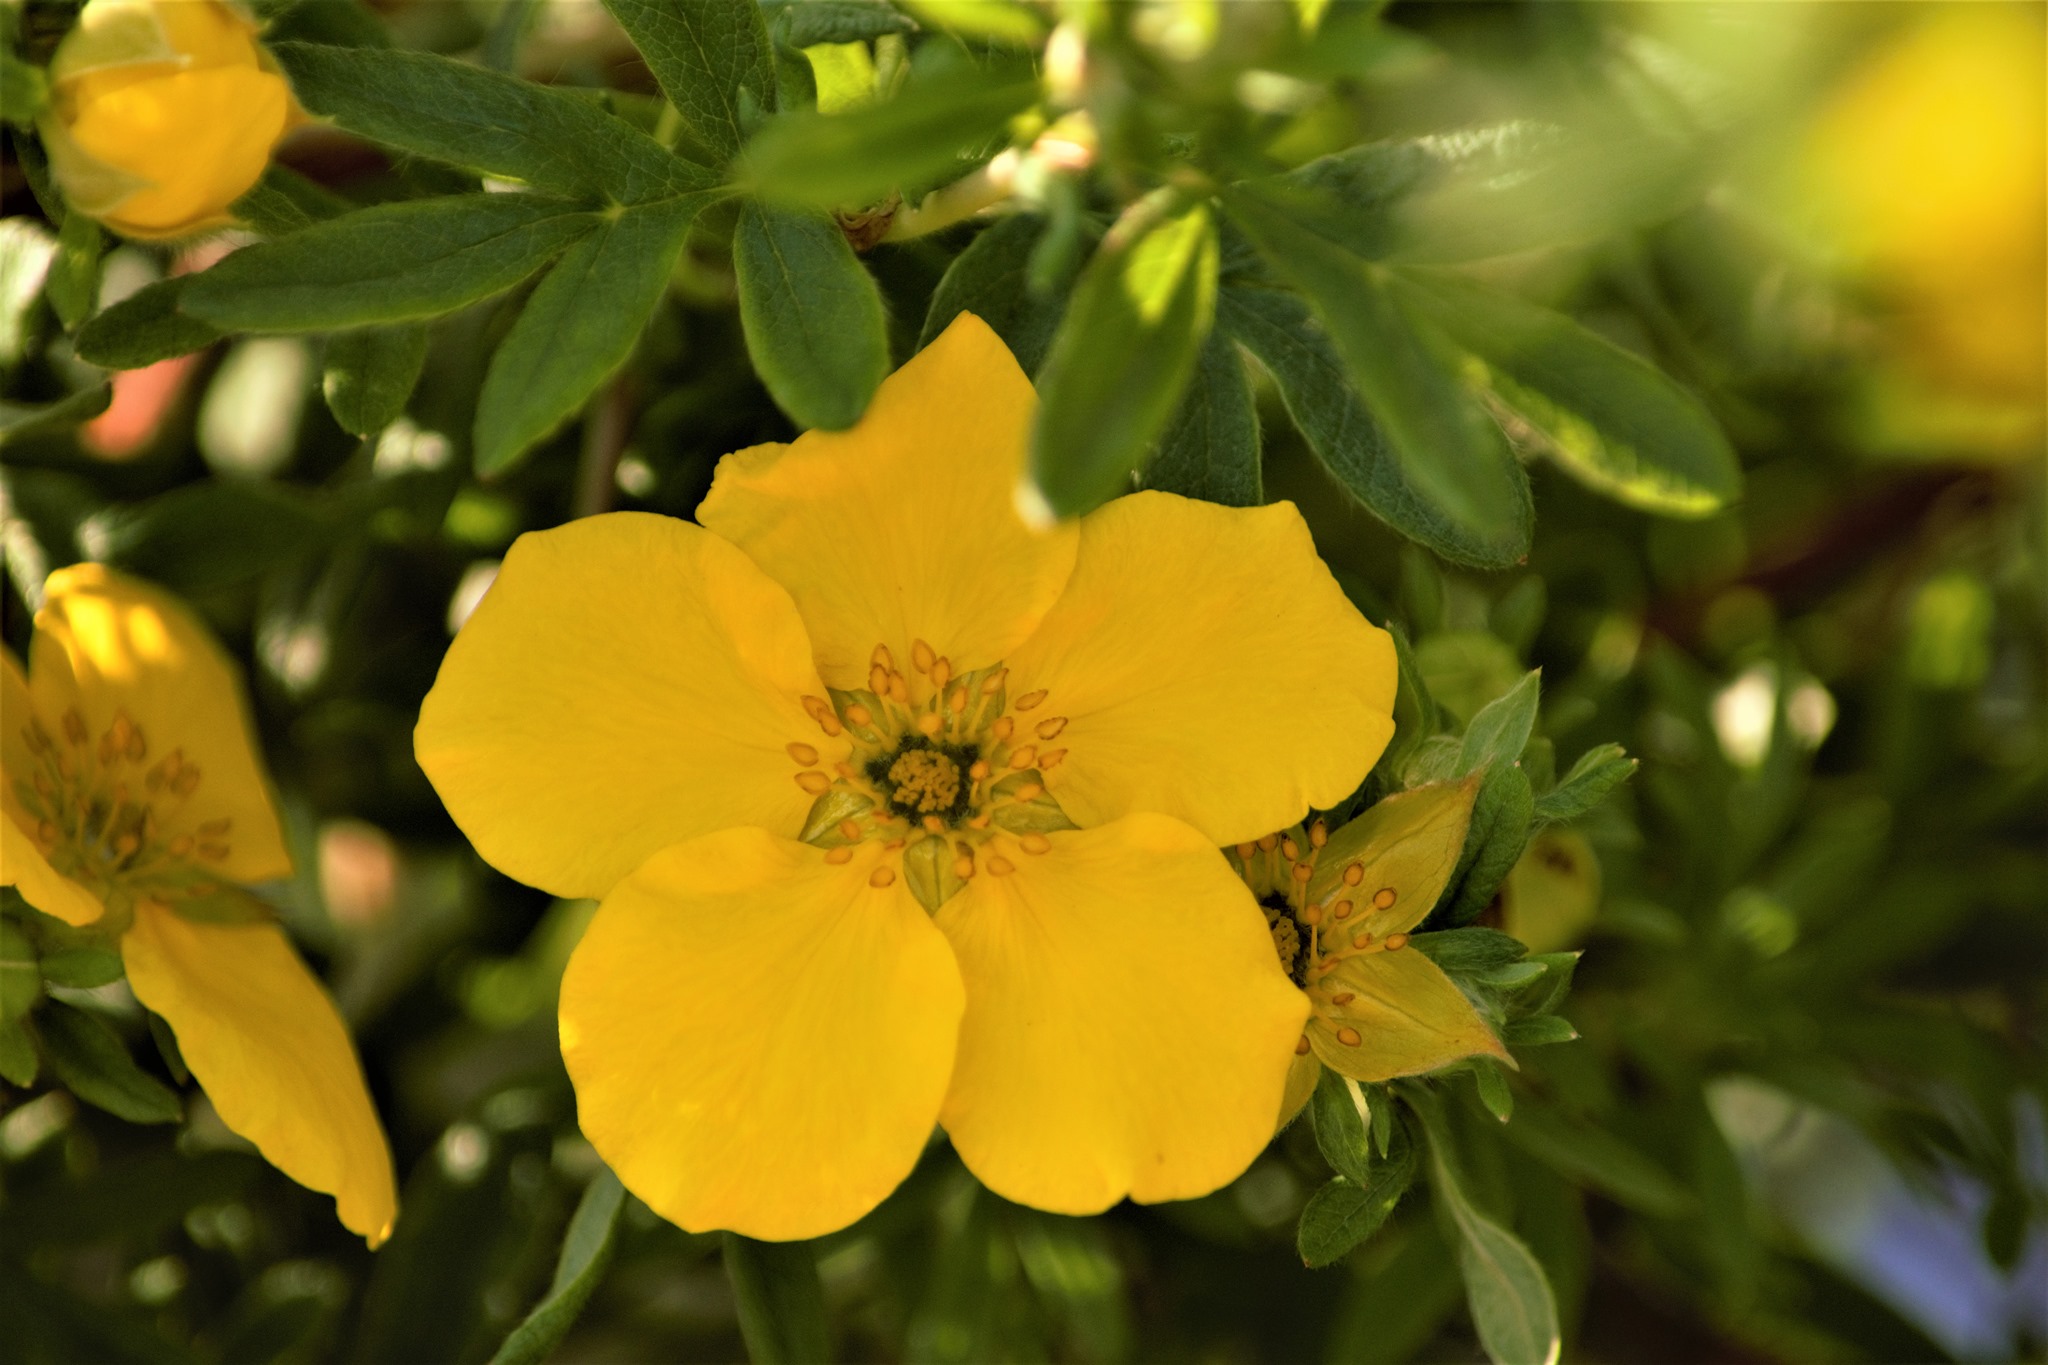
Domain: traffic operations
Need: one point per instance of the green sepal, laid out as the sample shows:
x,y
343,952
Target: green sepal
x,y
1042,814
928,869
81,969
92,1062
18,1060
838,803
21,983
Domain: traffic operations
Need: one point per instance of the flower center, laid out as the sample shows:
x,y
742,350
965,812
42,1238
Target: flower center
x,y
111,820
941,763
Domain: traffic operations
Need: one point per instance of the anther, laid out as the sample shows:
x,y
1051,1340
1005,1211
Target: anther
x,y
980,821
1289,850
882,658
1348,1037
214,829
1050,759
187,780
857,714
1003,727
1000,866
993,683
1318,834
74,727
963,868
181,846
846,770
815,707
1362,941
934,824
1301,1046
956,701
878,680
1035,843
930,725
978,769
899,690
1343,998
830,725
942,672
922,656
849,829
213,853
1269,842
839,855
1396,942
1353,875
1024,757
817,784
1342,910
1030,791
1245,851
1030,699
1050,729
804,754
1302,872
881,876
1383,898
1312,915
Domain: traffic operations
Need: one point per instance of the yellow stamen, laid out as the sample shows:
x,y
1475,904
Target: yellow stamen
x,y
1035,843
1383,898
1000,866
839,855
1301,1046
1353,875
993,683
881,877
804,754
1342,910
921,656
849,829
1396,942
857,714
1030,699
1024,758
817,784
1348,1037
1050,759
1050,729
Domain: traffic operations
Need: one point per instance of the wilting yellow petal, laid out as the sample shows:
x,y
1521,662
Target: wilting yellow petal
x,y
1128,1027
760,1039
130,648
630,681
903,527
200,139
1405,1013
1403,850
265,1042
1208,667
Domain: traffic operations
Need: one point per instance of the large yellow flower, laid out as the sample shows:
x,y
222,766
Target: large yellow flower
x,y
134,803
904,812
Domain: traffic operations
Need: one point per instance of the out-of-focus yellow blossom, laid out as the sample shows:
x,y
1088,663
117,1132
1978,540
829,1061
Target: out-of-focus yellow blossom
x,y
903,812
162,114
1925,173
1552,896
1340,908
134,804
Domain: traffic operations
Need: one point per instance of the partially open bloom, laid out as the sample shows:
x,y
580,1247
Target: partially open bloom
x,y
162,114
1340,908
134,805
903,812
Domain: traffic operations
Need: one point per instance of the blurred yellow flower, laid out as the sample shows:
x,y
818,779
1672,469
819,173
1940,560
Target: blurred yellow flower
x,y
134,802
1340,908
162,114
904,812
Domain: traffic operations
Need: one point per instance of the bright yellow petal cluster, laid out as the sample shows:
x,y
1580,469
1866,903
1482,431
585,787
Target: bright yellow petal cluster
x,y
905,813
162,114
131,798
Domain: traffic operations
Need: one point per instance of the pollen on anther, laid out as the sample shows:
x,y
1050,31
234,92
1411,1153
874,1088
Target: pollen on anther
x,y
1269,842
839,855
849,829
1342,910
1030,791
978,769
1024,757
899,690
934,824
1383,898
882,658
817,784
956,701
1289,849
1050,759
1303,871
993,683
1362,941
804,754
980,821
831,726
1050,729
1353,875
187,780
929,725
1003,728
1000,866
1348,1037
881,876
1245,851
857,714
1030,699
942,672
213,853
963,868
1301,1046
1312,915
1035,843
1396,942
922,656
878,680
1343,997
1318,834
846,770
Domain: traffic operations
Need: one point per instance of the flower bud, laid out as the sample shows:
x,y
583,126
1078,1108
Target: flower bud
x,y
162,114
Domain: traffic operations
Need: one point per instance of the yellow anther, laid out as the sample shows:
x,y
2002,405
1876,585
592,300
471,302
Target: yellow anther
x,y
924,781
846,770
1318,834
893,845
1303,871
46,835
804,754
1050,729
214,829
993,683
956,701
181,846
128,843
980,821
1000,866
1342,910
857,714
878,680
1343,998
1269,842
1024,758
1383,898
1396,942
1035,843
814,707
1289,850
963,868
1002,729
830,725
187,780
213,853
1245,851
1348,1036
922,656
1030,791
899,690
930,725
1030,699
849,829
817,784
942,672
1353,875
881,876
1362,941
1050,759
839,855
934,824
1301,1046
882,658
978,770
1312,915
74,727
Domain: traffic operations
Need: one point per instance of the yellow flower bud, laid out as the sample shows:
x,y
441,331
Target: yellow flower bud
x,y
162,114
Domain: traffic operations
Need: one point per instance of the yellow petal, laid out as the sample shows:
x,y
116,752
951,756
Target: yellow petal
x,y
130,648
1128,1027
759,1039
23,867
1407,1016
1301,1083
1208,667
903,527
264,1040
199,139
630,681
1552,896
1404,849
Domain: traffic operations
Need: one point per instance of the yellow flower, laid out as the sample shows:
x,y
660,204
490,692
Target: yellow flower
x,y
162,114
134,802
1340,909
903,812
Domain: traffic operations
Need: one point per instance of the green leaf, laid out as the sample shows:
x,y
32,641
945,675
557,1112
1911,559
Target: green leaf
x,y
73,284
808,22
90,1060
393,263
1540,1030
489,122
24,90
144,328
1499,733
1464,952
1493,1086
368,375
1346,1211
1279,328
990,280
1505,1287
712,59
991,21
1210,448
21,982
1451,452
1599,1160
1500,831
586,1253
284,201
578,328
855,158
82,968
1124,353
1613,420
781,1302
18,1061
1599,771
812,315
17,423
1343,1121
207,535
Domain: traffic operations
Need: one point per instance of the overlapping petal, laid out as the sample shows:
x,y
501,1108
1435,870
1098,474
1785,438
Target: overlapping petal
x,y
200,138
266,1043
760,1039
903,527
1208,667
1128,1027
22,864
111,644
630,681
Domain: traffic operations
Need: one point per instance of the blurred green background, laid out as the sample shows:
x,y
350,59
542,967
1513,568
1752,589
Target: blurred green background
x,y
1804,1122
